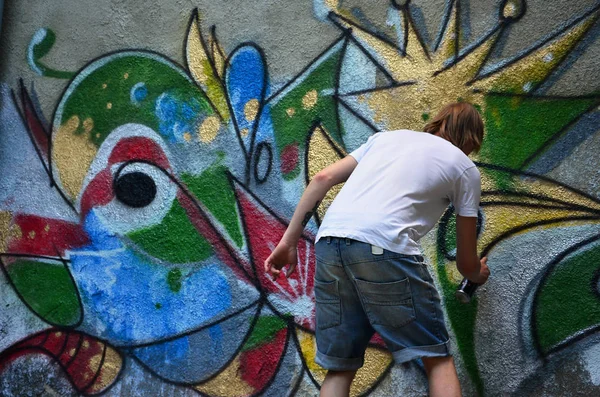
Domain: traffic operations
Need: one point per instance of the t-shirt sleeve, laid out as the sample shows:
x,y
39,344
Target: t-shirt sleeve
x,y
359,153
467,193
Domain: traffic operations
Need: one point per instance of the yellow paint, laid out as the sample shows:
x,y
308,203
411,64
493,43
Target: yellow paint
x,y
509,10
5,218
209,129
126,76
376,362
72,352
104,86
187,136
535,67
47,228
58,334
110,369
73,154
228,383
321,153
308,346
244,132
435,86
309,100
88,125
109,105
202,71
16,232
31,234
251,109
217,56
85,344
290,112
332,4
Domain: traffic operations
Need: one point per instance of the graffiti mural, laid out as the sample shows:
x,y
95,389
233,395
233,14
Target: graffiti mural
x,y
134,223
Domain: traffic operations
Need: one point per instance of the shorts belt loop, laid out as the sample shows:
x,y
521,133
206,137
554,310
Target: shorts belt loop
x,y
348,241
328,239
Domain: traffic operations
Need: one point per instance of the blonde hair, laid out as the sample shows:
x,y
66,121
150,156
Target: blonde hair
x,y
460,123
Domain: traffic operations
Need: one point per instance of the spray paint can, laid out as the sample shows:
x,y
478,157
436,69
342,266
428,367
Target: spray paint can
x,y
465,291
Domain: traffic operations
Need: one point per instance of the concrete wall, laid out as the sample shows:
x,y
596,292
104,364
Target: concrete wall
x,y
151,154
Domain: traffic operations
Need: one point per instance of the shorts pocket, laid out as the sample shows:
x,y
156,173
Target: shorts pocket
x,y
388,304
328,305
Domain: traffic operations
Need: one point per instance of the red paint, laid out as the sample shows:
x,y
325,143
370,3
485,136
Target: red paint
x,y
138,148
45,236
32,120
98,192
258,366
289,158
264,231
77,354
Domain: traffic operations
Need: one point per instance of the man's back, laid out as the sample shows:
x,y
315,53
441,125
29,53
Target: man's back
x,y
402,184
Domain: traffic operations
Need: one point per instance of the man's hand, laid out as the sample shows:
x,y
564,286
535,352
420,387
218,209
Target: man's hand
x,y
484,272
283,254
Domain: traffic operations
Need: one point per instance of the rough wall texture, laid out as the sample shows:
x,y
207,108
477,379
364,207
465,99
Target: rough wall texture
x,y
151,154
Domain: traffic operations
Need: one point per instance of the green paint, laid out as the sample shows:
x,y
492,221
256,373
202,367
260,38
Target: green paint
x,y
462,318
425,116
118,75
568,302
174,279
158,306
48,289
264,331
174,240
294,129
517,127
212,189
451,233
38,50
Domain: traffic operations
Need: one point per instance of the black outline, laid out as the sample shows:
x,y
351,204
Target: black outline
x,y
194,18
40,348
261,102
547,271
358,115
219,371
502,17
46,162
257,154
541,44
62,261
332,144
306,68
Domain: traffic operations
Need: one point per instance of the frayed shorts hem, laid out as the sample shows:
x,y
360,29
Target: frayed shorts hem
x,y
412,353
337,363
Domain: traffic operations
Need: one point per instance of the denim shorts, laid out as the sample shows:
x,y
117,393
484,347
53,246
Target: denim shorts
x,y
360,291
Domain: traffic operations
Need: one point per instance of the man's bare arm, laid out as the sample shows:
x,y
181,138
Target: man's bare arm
x,y
285,252
316,190
467,260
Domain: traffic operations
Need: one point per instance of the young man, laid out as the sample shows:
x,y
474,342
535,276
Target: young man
x,y
370,274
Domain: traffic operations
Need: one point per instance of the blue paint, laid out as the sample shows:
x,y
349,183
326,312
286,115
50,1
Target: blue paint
x,y
119,288
200,355
138,93
177,117
245,81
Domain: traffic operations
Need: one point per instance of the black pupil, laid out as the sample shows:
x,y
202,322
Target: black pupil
x,y
135,189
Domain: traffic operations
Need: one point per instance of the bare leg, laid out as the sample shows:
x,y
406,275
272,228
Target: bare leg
x,y
337,384
443,380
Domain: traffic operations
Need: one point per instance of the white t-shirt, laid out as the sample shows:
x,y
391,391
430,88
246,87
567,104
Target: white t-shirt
x,y
403,183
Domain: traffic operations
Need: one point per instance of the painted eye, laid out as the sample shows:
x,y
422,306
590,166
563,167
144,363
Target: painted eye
x,y
143,195
135,189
